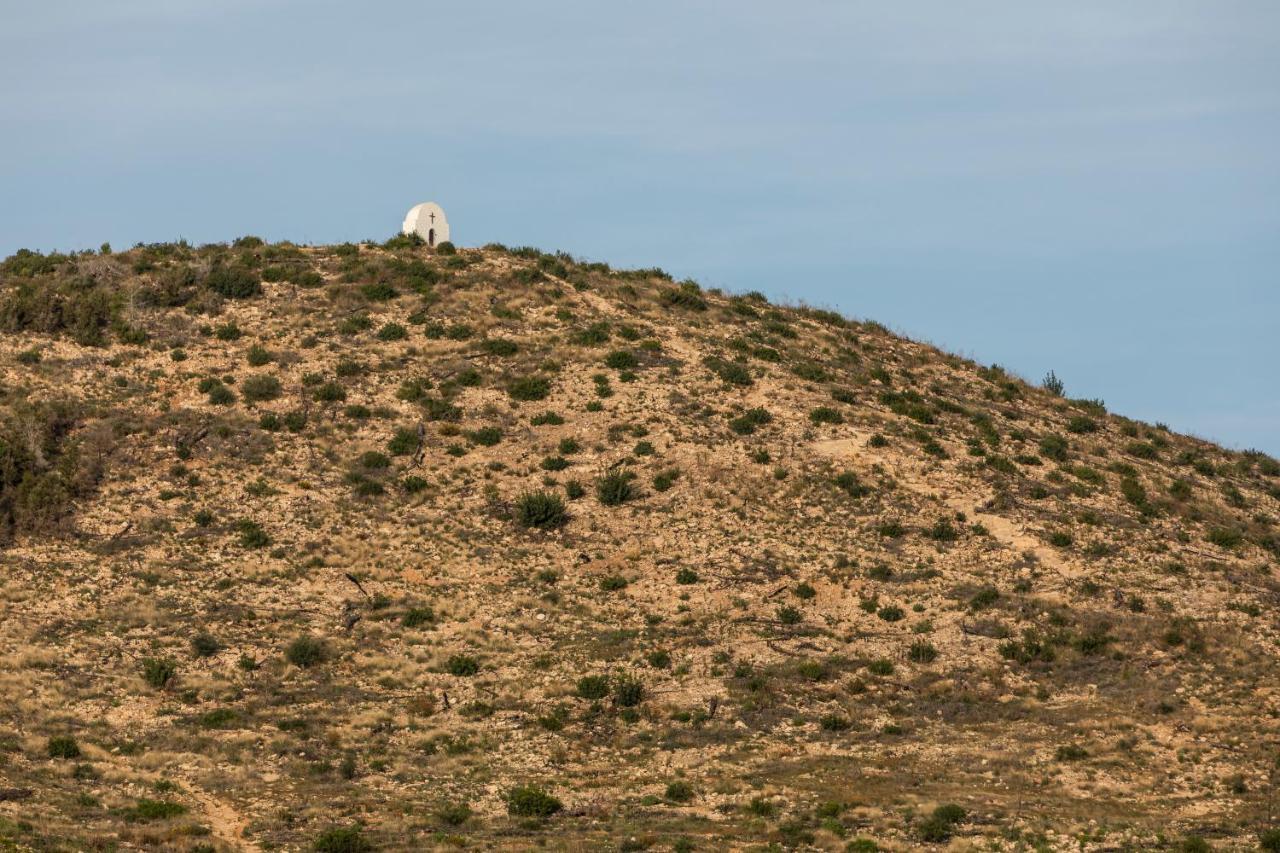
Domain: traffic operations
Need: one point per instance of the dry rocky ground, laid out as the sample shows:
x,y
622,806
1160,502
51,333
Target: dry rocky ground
x,y
373,547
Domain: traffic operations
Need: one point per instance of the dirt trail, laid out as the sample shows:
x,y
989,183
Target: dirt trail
x,y
1003,530
227,824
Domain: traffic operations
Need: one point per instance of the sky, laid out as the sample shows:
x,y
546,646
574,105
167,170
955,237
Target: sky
x,y
1089,187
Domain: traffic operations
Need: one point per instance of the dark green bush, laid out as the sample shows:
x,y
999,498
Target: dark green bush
x,y
392,332
849,483
683,296
416,617
306,651
747,422
204,645
63,746
146,810
329,392
349,839
541,510
258,355
529,388
531,801
159,672
485,436
233,282
825,415
462,666
593,687
679,791
730,372
405,441
260,388
499,346
628,691
621,360
221,395
251,534
615,488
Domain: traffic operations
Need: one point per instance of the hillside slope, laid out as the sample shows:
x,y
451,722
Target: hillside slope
x,y
374,547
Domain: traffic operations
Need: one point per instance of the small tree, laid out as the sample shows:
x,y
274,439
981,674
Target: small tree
x,y
1053,384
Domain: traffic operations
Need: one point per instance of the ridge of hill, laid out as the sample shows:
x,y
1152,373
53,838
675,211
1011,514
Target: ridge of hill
x,y
374,546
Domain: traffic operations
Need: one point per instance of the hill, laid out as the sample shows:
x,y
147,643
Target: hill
x,y
377,547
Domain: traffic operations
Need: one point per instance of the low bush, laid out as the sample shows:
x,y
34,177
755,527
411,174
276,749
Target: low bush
x,y
257,389
615,488
306,651
159,672
529,388
531,801
541,510
62,746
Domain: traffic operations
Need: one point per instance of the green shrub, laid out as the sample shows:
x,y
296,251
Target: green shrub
x,y
849,483
258,355
834,723
204,645
259,388
686,576
404,442
221,395
554,463
531,801
251,534
1225,537
499,347
148,810
349,839
462,666
789,615
306,651
1054,446
940,825
541,510
825,415
485,436
664,480
688,298
730,372
749,421
593,687
1061,539
392,332
416,617
63,746
1081,424
597,334
233,282
529,388
159,672
628,691
922,651
1142,450
621,360
329,392
810,372
615,488
679,791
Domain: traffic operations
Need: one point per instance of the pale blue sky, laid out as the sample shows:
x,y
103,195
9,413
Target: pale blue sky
x,y
1090,187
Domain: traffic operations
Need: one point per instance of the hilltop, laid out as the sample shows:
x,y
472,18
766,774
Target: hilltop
x,y
373,546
